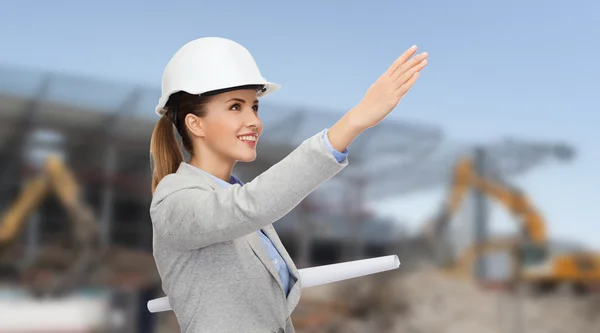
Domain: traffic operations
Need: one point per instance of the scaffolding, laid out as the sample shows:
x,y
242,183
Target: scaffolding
x,y
104,128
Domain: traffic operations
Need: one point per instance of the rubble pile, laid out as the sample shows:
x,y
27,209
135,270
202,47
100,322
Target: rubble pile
x,y
438,303
425,301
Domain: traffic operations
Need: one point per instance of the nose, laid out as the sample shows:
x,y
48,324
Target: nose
x,y
252,119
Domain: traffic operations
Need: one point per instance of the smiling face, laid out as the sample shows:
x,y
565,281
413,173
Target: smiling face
x,y
230,129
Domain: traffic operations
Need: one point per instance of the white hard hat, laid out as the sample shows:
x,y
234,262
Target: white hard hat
x,y
208,64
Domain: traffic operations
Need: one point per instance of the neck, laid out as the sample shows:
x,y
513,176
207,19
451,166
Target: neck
x,y
216,167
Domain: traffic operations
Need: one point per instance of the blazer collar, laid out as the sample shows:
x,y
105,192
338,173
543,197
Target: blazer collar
x,y
189,170
186,169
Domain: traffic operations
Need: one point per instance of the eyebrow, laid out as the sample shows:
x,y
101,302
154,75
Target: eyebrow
x,y
241,100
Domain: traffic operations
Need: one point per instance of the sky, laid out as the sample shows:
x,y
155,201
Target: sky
x,y
525,69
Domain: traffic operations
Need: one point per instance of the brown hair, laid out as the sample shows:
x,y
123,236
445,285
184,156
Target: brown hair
x,y
166,155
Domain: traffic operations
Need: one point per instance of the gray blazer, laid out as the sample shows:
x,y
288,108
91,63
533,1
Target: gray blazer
x,y
214,269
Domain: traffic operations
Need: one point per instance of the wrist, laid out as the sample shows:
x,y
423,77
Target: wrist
x,y
354,120
342,133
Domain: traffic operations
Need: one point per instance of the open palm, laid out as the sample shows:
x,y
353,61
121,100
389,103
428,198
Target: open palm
x,y
385,94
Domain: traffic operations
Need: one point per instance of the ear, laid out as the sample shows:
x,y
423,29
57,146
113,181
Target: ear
x,y
194,125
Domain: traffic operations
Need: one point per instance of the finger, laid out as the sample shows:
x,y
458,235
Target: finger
x,y
402,79
402,59
406,87
410,64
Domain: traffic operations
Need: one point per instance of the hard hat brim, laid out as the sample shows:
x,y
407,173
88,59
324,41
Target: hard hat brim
x,y
160,110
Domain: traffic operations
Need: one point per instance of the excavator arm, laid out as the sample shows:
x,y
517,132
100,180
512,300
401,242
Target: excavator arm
x,y
65,186
55,176
532,248
461,182
436,229
515,201
14,218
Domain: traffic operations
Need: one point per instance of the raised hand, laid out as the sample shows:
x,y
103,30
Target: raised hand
x,y
385,94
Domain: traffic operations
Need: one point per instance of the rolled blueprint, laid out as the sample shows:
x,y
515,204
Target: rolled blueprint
x,y
159,305
316,276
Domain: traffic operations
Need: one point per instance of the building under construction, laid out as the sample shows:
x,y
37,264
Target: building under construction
x,y
100,132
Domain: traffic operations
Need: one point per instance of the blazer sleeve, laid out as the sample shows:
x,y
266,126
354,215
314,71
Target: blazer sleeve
x,y
192,217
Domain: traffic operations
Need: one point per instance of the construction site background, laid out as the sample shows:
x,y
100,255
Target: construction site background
x,y
76,236
80,238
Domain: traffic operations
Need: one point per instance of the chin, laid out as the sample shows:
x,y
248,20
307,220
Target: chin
x,y
247,158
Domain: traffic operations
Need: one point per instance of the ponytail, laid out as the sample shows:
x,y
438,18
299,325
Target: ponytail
x,y
165,152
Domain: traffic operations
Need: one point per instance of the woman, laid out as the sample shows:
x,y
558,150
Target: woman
x,y
220,260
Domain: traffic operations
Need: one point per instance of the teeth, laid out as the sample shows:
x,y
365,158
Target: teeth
x,y
247,138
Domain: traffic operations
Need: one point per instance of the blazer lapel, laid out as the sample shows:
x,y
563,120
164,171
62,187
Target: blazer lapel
x,y
256,244
259,250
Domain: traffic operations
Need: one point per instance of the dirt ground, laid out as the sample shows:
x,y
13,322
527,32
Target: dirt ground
x,y
425,301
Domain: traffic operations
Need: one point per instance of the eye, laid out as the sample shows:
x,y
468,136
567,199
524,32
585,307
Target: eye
x,y
236,107
255,108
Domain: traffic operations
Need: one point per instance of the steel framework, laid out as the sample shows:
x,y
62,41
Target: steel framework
x,y
104,130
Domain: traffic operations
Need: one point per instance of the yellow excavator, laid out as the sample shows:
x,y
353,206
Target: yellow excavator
x,y
534,263
57,177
